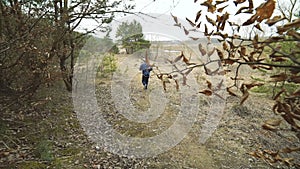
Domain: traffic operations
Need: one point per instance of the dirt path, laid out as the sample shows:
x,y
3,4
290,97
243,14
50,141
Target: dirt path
x,y
238,134
46,133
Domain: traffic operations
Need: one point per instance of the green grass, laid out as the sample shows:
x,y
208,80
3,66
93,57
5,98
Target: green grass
x,y
32,165
263,89
270,88
44,150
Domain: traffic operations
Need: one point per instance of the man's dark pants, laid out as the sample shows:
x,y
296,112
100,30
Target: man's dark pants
x,y
145,80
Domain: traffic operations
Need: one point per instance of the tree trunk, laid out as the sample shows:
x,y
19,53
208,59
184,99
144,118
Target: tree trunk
x,y
67,78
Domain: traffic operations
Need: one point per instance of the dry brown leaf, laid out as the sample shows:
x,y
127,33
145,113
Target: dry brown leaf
x,y
230,92
221,9
190,22
223,35
184,79
205,30
186,31
243,51
251,85
250,4
255,41
220,2
231,44
269,127
233,23
210,21
220,54
225,46
264,11
241,10
177,84
222,21
274,20
159,76
236,36
184,59
236,2
206,92
224,72
198,16
250,11
194,38
244,97
274,39
279,107
178,25
164,86
273,122
219,86
177,58
199,24
210,7
279,78
202,51
207,71
257,26
294,34
286,27
209,84
288,118
175,18
278,59
229,61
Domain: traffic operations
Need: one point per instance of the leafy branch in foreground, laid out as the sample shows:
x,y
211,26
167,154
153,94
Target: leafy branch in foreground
x,y
276,52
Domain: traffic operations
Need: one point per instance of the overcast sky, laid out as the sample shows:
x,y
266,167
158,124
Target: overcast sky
x,y
162,9
180,8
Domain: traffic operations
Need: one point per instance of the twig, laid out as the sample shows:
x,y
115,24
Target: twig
x,y
5,144
10,140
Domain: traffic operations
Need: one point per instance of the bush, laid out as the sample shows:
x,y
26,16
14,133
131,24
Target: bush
x,y
108,65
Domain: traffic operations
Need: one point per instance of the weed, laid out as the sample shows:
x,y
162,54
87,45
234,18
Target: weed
x,y
44,150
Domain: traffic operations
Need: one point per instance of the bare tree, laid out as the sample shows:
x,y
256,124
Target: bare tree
x,y
37,37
